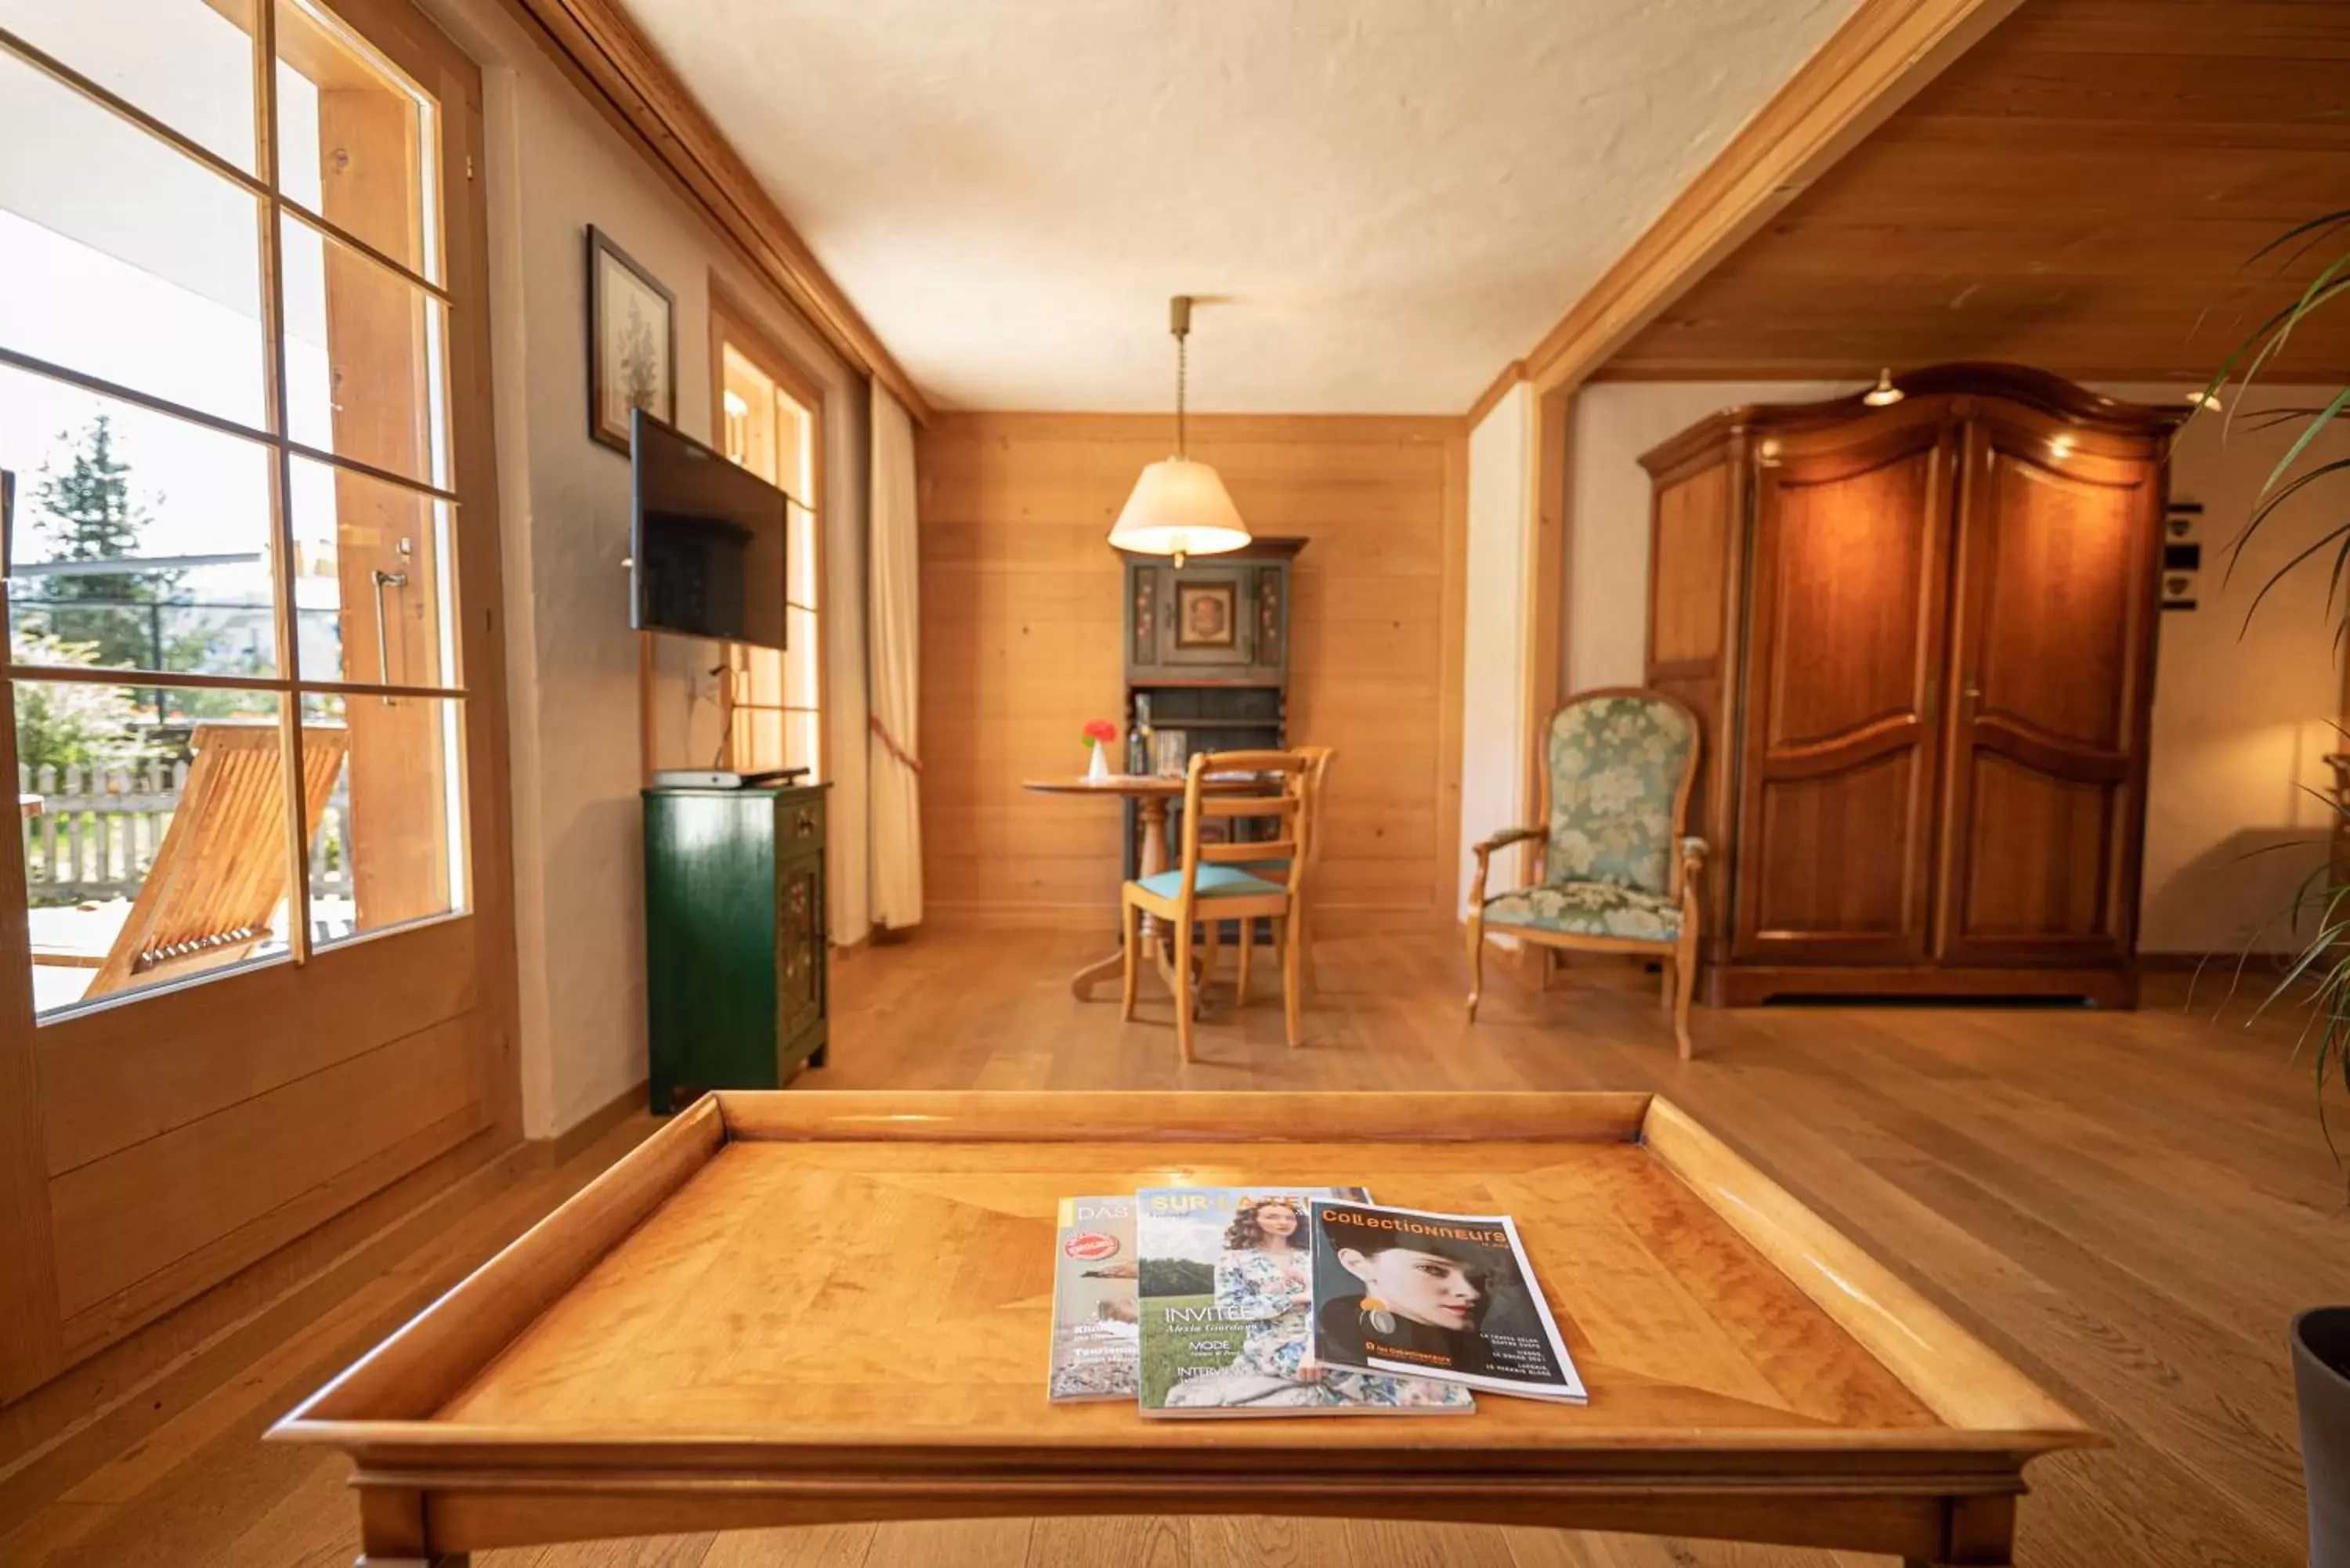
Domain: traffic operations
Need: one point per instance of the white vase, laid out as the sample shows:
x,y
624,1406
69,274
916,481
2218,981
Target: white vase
x,y
1101,770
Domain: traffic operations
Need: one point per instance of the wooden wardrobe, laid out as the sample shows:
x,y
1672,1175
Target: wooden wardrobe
x,y
1920,638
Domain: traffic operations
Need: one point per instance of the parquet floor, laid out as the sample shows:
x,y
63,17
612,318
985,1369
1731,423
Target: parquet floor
x,y
2129,1206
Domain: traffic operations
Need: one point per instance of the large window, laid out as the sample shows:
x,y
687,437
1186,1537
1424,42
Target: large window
x,y
769,419
224,430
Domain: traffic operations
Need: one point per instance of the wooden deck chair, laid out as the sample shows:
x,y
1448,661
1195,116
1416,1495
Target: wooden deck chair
x,y
220,872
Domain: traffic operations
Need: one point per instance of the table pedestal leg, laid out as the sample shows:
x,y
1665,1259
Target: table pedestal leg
x,y
1153,811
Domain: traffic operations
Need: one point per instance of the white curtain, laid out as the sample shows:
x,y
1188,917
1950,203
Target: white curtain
x,y
893,643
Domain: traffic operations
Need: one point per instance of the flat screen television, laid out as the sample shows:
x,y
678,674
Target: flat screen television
x,y
706,541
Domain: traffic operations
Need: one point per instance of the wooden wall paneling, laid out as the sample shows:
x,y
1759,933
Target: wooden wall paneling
x,y
1021,644
604,55
1451,664
2081,192
1885,53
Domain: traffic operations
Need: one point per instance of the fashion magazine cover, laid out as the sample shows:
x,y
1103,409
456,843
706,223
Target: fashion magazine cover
x,y
1225,1292
1449,1296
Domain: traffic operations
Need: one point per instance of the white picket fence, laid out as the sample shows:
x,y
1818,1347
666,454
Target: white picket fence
x,y
98,830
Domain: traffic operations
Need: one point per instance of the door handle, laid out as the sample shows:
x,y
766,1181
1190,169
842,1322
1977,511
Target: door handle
x,y
383,580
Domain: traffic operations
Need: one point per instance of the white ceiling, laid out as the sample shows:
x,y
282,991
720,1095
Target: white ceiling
x,y
1398,196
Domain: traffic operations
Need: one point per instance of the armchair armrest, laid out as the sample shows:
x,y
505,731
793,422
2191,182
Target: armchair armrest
x,y
1509,836
1485,852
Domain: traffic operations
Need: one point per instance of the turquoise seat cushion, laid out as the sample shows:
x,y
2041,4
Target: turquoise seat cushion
x,y
1588,909
1214,882
1616,766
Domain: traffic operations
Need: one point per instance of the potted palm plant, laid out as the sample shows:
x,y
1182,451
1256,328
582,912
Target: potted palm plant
x,y
2317,977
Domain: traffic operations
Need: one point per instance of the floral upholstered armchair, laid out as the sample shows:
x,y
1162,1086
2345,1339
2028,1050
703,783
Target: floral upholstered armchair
x,y
1618,875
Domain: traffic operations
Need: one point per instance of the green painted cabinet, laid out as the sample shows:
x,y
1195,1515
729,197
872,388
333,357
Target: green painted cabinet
x,y
734,938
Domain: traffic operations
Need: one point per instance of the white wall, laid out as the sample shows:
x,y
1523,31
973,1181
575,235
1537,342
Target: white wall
x,y
2244,709
555,167
2242,714
1494,660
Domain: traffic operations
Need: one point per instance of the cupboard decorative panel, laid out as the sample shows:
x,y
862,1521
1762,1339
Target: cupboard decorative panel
x,y
1926,664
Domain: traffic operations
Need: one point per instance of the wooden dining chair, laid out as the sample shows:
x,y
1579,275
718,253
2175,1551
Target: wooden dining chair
x,y
1318,768
1209,884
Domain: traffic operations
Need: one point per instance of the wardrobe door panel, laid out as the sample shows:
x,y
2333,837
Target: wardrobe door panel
x,y
2054,594
1843,677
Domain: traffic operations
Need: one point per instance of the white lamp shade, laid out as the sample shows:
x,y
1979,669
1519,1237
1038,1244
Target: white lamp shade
x,y
1179,508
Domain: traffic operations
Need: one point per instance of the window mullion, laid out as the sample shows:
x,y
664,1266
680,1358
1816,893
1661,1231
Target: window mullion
x,y
281,479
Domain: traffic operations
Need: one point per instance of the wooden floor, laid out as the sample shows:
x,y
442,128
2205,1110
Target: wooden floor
x,y
2128,1205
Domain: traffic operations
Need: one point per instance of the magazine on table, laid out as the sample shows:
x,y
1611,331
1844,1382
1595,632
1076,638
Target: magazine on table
x,y
1225,1292
1096,1349
1446,1296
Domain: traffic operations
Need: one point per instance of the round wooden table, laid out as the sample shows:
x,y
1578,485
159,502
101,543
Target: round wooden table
x,y
1151,793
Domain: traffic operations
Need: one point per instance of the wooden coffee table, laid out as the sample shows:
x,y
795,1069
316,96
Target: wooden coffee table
x,y
789,1308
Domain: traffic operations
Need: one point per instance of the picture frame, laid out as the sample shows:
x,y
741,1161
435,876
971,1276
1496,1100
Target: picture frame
x,y
631,343
1207,615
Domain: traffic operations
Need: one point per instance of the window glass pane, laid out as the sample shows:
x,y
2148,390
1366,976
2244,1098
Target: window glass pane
x,y
139,540
793,455
800,742
371,579
189,63
758,740
747,425
387,842
364,358
799,556
154,832
358,142
800,688
122,258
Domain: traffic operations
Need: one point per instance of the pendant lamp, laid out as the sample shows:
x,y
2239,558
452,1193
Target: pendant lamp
x,y
1178,507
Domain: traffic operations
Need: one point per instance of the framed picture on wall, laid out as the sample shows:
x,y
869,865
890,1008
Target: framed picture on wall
x,y
1205,615
631,343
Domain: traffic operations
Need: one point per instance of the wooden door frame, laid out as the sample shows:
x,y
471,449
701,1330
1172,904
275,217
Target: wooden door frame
x,y
107,1053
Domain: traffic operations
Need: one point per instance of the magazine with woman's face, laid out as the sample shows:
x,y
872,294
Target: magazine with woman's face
x,y
1224,1282
1446,1296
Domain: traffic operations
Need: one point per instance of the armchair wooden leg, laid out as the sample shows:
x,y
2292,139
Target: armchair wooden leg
x,y
1183,987
1289,977
1476,962
1213,932
1683,976
1130,949
1248,951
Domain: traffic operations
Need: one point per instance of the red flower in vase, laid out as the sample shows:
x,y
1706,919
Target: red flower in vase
x,y
1100,731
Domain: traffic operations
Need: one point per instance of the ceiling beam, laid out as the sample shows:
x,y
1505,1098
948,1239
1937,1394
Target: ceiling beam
x,y
1882,56
614,64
